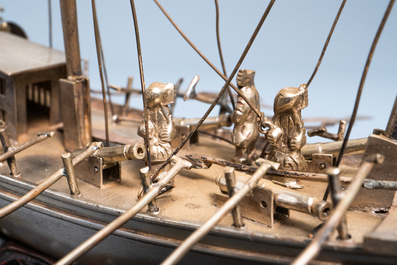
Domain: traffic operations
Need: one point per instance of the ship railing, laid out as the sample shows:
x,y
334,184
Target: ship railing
x,y
342,201
148,199
10,151
48,182
226,208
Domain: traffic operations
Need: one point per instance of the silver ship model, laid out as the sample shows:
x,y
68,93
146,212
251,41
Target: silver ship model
x,y
87,181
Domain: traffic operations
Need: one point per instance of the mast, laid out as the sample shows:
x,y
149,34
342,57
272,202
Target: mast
x,y
75,92
391,128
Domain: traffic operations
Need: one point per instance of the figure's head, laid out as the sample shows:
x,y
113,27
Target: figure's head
x,y
245,78
158,94
291,99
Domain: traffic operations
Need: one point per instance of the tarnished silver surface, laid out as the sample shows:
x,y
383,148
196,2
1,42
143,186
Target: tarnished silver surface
x,y
7,147
161,125
283,197
245,132
16,52
230,178
55,214
77,126
46,183
182,211
391,128
178,254
322,132
353,146
145,200
286,133
191,93
314,247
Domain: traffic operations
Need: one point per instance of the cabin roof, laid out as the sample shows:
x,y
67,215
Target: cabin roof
x,y
19,55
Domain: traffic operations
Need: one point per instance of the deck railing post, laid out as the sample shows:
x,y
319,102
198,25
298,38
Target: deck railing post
x,y
5,141
231,190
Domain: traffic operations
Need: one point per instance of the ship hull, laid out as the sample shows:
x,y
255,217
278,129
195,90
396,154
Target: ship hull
x,y
56,223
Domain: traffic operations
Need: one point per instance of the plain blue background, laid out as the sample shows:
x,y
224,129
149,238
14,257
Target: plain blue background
x,y
285,52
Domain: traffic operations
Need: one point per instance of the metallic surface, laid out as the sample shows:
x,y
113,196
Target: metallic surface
x,y
71,37
337,194
54,214
391,128
363,77
146,181
15,150
286,133
110,228
46,183
326,42
333,148
283,197
208,62
8,148
218,40
190,93
383,238
228,82
227,207
77,126
231,190
70,174
146,117
161,127
177,88
15,50
322,132
245,132
100,62
371,199
339,212
121,153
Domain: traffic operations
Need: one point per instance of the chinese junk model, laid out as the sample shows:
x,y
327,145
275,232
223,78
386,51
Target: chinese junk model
x,y
153,188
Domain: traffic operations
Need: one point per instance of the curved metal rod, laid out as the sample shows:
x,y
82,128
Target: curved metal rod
x,y
106,79
47,182
218,39
314,247
145,110
228,82
126,216
15,150
251,183
326,42
98,52
360,88
257,112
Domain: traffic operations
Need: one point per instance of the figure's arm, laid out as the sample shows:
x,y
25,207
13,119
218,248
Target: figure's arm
x,y
168,131
298,141
141,131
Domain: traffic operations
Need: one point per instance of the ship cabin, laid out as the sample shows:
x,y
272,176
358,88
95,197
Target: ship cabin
x,y
29,84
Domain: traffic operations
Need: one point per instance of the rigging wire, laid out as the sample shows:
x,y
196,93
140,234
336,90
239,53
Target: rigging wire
x,y
257,112
228,82
98,51
145,110
218,39
326,43
106,80
216,136
360,89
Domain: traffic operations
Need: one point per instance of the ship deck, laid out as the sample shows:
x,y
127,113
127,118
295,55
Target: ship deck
x,y
192,201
